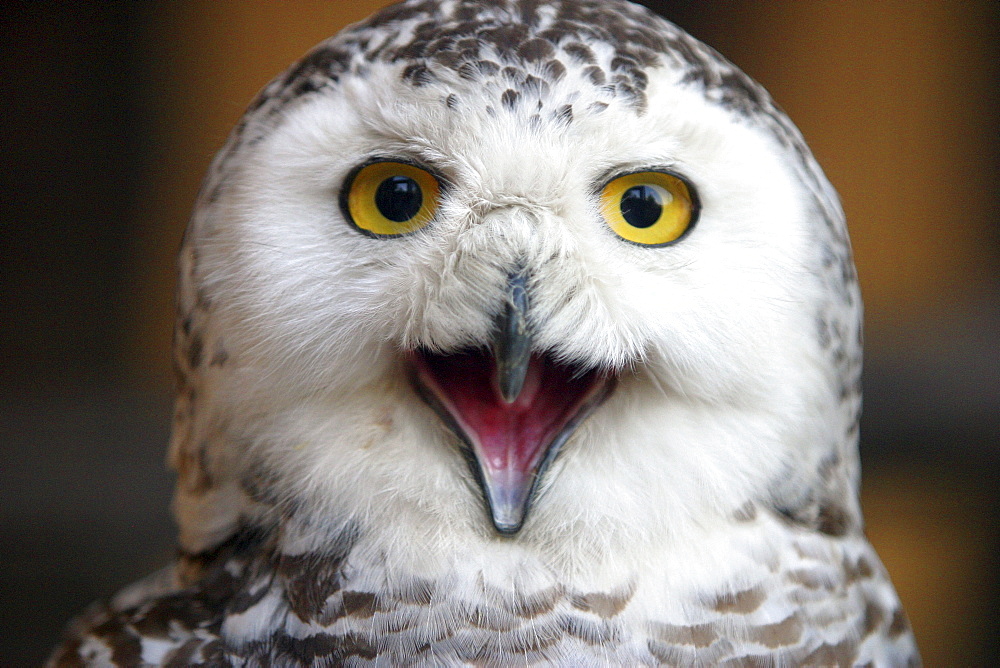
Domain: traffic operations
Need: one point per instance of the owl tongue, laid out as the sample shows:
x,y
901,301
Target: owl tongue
x,y
512,442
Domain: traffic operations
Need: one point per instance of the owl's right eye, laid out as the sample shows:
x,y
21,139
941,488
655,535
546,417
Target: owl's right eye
x,y
388,199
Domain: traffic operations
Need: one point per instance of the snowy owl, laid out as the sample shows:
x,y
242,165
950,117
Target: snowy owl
x,y
513,332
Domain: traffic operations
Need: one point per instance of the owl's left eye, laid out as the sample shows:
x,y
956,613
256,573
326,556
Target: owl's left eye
x,y
649,208
387,199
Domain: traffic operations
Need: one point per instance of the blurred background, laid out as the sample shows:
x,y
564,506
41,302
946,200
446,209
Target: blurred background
x,y
113,110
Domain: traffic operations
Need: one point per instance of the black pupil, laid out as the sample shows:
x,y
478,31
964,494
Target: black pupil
x,y
399,198
641,206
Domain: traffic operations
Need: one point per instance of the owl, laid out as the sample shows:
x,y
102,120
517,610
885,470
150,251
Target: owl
x,y
513,332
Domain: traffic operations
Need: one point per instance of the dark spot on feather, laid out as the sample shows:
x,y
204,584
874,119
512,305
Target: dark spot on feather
x,y
833,520
872,619
740,603
565,114
535,50
698,635
247,597
185,654
602,605
505,38
781,634
808,579
512,73
487,67
126,646
843,653
417,74
468,71
581,52
361,604
554,70
448,59
623,63
311,580
532,85
862,569
509,98
596,75
899,624
310,86
330,648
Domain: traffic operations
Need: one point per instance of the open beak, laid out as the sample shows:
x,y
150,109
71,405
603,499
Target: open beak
x,y
513,408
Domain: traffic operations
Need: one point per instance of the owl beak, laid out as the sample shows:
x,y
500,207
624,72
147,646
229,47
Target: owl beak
x,y
513,408
512,343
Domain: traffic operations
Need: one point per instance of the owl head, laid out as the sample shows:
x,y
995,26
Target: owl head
x,y
551,274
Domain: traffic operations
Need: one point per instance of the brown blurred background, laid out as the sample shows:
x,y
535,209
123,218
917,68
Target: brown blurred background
x,y
113,110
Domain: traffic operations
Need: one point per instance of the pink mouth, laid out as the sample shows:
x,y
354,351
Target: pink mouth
x,y
512,443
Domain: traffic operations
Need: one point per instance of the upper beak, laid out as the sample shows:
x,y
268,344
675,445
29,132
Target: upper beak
x,y
512,343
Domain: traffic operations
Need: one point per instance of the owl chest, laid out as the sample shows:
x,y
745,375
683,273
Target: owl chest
x,y
361,616
350,617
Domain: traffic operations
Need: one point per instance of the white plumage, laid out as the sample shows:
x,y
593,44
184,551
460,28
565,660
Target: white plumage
x,y
345,497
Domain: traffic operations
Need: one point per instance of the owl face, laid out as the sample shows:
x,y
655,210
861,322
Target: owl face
x,y
605,303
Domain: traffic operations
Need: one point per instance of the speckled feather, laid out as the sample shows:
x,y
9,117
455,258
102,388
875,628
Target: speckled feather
x,y
830,601
279,568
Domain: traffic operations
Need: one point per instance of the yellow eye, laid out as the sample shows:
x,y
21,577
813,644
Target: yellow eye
x,y
386,199
649,208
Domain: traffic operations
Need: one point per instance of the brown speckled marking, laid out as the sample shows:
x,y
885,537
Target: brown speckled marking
x,y
821,511
361,604
833,519
872,619
809,579
899,624
740,603
310,581
843,653
780,634
855,571
603,605
126,644
699,635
